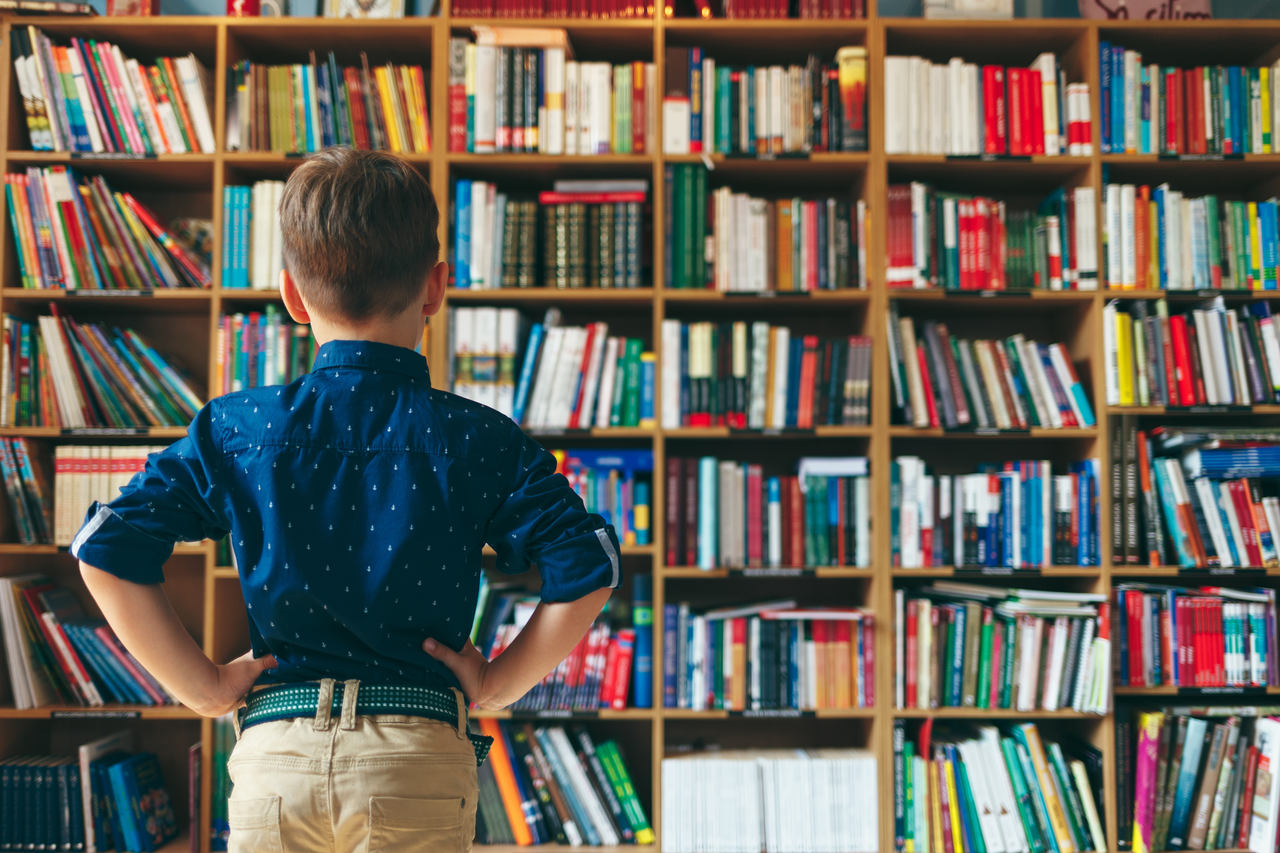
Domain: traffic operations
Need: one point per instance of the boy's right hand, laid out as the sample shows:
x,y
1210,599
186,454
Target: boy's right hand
x,y
234,682
469,666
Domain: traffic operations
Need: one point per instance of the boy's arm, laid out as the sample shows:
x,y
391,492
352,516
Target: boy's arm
x,y
146,624
550,634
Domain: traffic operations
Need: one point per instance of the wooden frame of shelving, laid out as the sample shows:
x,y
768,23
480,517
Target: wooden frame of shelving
x,y
194,183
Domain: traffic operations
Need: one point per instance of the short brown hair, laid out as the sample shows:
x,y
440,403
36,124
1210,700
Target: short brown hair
x,y
359,232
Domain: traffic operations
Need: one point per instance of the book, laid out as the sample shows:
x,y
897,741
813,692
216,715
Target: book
x,y
967,109
990,647
252,246
26,481
74,232
261,348
616,484
1012,516
83,474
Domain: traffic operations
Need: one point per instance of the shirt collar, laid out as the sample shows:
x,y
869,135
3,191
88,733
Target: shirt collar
x,y
370,355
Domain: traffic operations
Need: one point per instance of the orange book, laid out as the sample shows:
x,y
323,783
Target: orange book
x,y
425,111
739,693
844,667
808,367
770,377
179,99
786,279
504,772
1141,239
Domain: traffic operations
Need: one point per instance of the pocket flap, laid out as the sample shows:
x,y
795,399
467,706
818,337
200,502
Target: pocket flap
x,y
416,813
257,813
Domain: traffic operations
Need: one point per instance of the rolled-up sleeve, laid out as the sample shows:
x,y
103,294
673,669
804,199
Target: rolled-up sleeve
x,y
543,522
169,501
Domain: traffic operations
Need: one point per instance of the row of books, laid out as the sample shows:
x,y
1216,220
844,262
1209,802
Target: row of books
x,y
764,110
519,90
260,348
105,797
74,232
569,377
771,9
87,96
1162,238
768,657
29,505
758,376
616,484
944,381
1148,108
57,655
252,245
56,371
1015,515
1195,637
968,646
579,234
983,789
559,784
963,109
306,107
956,241
1209,355
83,474
799,799
633,9
1198,779
725,513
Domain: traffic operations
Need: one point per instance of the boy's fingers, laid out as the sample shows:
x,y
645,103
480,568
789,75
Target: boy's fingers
x,y
440,652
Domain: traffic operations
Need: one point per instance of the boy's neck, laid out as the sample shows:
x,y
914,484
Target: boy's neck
x,y
401,331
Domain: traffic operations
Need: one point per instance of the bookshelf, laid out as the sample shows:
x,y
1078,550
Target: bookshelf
x,y
183,324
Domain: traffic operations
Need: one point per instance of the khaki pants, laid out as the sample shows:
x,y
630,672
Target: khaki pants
x,y
359,784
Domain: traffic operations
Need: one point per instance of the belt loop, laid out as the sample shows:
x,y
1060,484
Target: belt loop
x,y
462,712
351,688
236,716
324,705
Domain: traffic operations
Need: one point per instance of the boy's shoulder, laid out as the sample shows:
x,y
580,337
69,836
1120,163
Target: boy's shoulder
x,y
471,413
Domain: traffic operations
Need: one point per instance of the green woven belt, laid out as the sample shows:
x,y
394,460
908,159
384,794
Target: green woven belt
x,y
290,701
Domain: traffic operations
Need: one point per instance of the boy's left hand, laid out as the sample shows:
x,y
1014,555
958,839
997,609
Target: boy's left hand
x,y
234,681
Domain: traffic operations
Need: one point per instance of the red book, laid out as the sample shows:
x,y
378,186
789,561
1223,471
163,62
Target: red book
x,y
1197,369
735,694
993,108
982,243
797,522
1244,515
1184,112
930,403
1035,112
360,119
1133,609
637,108
691,512
755,515
626,642
810,234
912,650
999,258
1017,83
1172,101
808,365
823,677
842,505
1141,221
787,526
1182,361
867,627
1246,815
1218,636
675,511
575,414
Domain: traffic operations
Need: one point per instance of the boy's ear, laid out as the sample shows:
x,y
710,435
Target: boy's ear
x,y
437,279
292,299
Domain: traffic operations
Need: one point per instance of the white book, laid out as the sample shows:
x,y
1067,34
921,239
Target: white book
x,y
552,130
135,104
1041,386
591,383
582,786
568,374
670,365
924,638
937,78
759,374
1239,376
1086,238
896,101
862,522
955,106
572,105
484,112
65,386
92,119
973,125
1127,248
1084,661
195,89
602,110
608,378
993,768
909,468
464,344
983,797
781,355
1262,829
1131,106
650,106
273,228
1111,221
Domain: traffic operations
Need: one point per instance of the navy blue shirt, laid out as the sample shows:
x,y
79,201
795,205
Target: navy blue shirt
x,y
358,499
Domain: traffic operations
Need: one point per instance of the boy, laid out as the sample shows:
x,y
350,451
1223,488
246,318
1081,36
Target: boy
x,y
358,500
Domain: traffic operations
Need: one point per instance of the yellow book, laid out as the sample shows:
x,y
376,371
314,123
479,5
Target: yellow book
x,y
385,93
1264,78
1255,247
953,805
770,378
1030,737
1124,357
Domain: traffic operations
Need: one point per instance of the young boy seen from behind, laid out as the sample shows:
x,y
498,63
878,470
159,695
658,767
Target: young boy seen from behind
x,y
358,500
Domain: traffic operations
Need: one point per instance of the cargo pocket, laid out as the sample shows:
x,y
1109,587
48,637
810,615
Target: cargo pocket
x,y
406,825
255,825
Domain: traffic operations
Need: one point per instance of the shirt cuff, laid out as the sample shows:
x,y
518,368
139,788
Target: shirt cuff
x,y
580,566
108,542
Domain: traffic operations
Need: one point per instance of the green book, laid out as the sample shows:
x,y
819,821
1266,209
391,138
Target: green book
x,y
1215,239
631,398
984,663
1010,629
810,522
1069,797
614,766
1037,837
968,804
619,387
698,249
909,795
1015,364
685,225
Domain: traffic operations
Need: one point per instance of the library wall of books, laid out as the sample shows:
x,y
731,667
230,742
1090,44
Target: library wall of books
x,y
926,369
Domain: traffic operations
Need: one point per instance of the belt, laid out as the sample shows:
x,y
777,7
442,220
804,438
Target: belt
x,y
291,701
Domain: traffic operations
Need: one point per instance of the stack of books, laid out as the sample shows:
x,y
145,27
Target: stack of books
x,y
83,474
58,372
545,784
965,242
260,348
969,646
519,90
72,232
580,234
956,383
791,794
965,110
569,377
1195,637
723,513
309,106
758,376
552,9
1196,497
252,246
1160,109
1158,238
768,657
708,9
29,504
616,484
764,111
1210,355
1198,778
982,789
88,97
104,798
1014,515
788,245
56,655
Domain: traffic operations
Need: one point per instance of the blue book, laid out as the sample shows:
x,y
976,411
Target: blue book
x,y
1184,793
1104,71
1117,100
708,514
648,378
103,674
1235,82
1007,557
642,498
670,617
575,806
1270,248
531,352
793,379
325,103
308,111
749,80
1145,75
1173,522
955,675
228,229
642,621
123,800
724,144
528,800
1158,195
1215,488
696,106
462,234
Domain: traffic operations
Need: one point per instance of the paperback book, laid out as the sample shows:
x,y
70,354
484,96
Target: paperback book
x,y
261,348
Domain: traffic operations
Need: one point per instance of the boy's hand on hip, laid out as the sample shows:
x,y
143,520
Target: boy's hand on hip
x,y
469,667
234,681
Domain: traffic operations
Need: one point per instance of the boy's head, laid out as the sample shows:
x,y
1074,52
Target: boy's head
x,y
359,236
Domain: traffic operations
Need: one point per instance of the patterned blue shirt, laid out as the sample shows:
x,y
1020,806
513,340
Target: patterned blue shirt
x,y
358,499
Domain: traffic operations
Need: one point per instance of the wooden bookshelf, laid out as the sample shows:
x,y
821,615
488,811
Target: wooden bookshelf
x,y
183,323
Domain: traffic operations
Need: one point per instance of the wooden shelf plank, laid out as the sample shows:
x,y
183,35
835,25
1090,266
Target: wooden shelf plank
x,y
1034,432
996,573
76,712
601,295
726,432
695,573
990,713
